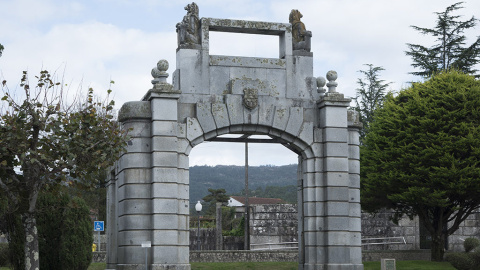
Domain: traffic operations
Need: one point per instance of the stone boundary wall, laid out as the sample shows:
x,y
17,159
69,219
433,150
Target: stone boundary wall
x,y
380,225
468,228
243,256
399,255
208,237
285,256
99,256
273,223
292,255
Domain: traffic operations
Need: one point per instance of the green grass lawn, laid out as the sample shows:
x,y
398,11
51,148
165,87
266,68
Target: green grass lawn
x,y
246,265
413,265
401,265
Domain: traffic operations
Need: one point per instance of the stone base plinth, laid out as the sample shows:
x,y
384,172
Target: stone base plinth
x,y
153,267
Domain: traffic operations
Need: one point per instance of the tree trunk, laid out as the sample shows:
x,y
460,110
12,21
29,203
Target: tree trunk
x,y
438,247
32,261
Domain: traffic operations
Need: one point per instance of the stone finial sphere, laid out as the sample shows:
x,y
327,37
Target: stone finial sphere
x,y
162,65
156,73
332,75
321,82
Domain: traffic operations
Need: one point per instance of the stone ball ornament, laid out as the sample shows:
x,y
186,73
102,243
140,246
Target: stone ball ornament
x,y
162,65
321,82
332,75
156,73
160,72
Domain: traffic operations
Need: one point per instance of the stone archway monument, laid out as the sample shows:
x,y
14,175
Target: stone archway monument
x,y
211,95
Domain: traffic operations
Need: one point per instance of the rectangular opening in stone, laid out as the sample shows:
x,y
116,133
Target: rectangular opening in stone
x,y
246,45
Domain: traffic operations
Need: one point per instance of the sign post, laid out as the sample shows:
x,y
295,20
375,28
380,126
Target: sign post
x,y
146,245
98,226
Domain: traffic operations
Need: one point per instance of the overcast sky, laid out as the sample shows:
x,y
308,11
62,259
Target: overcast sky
x,y
90,42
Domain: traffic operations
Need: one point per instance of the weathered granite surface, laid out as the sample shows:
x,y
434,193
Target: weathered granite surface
x,y
215,95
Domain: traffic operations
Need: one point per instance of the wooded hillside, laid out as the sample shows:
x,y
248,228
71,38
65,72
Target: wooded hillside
x,y
232,179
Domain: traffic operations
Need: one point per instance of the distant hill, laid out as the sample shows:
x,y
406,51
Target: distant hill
x,y
232,179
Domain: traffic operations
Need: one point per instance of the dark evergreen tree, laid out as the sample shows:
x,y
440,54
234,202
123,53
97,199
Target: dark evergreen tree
x,y
1,49
16,239
449,51
370,95
77,236
216,195
49,221
421,155
65,232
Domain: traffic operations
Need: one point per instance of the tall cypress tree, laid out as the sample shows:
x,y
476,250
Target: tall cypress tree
x,y
421,155
369,96
449,50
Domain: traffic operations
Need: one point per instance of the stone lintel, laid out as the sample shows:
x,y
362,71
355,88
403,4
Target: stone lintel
x,y
252,62
248,27
135,110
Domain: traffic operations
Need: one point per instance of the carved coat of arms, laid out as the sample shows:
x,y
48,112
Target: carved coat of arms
x,y
250,98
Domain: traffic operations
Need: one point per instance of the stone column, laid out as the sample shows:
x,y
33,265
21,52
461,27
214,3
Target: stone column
x,y
133,184
335,221
169,190
313,208
111,227
354,127
300,218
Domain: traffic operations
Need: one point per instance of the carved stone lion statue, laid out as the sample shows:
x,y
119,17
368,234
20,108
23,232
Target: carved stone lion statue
x,y
301,38
188,30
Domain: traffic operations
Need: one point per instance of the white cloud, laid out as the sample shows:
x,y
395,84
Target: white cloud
x,y
95,41
91,52
217,153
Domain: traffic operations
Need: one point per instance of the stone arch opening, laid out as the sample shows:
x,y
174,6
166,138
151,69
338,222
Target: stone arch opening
x,y
213,95
260,228
276,136
290,141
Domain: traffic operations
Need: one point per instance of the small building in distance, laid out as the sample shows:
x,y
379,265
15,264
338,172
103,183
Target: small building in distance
x,y
240,201
272,221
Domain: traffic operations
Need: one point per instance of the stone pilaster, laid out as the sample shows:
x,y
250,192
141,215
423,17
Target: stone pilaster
x,y
133,184
169,191
111,223
354,127
337,218
301,249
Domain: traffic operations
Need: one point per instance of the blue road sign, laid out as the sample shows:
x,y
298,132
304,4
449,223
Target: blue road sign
x,y
98,226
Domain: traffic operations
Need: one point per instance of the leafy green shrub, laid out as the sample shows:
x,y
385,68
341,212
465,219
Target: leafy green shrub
x,y
77,236
475,256
16,241
460,261
470,244
50,215
239,230
4,254
64,231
